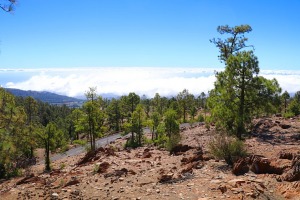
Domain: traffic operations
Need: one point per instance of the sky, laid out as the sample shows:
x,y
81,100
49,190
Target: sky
x,y
64,45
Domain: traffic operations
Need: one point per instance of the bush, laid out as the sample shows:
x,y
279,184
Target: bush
x,y
124,133
200,118
161,141
80,142
131,143
162,138
173,141
288,115
293,109
9,170
147,141
62,166
228,148
96,168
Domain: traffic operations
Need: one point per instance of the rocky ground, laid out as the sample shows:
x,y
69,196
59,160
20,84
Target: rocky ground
x,y
271,171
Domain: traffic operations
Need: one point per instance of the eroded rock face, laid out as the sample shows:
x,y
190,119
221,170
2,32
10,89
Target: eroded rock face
x,y
240,167
179,149
294,173
259,165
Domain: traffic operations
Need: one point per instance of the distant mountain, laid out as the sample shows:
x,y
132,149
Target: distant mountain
x,y
48,97
108,96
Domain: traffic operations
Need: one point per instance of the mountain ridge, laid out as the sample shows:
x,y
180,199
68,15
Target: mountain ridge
x,y
45,96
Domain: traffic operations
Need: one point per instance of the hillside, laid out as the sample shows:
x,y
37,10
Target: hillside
x,y
191,173
48,97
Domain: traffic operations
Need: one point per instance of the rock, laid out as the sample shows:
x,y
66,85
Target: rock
x,y
236,182
237,190
109,151
216,181
76,192
190,184
103,167
285,126
240,167
264,166
294,173
196,157
206,158
251,194
165,177
148,190
118,173
286,155
29,179
189,168
259,188
73,181
222,188
179,149
146,154
54,196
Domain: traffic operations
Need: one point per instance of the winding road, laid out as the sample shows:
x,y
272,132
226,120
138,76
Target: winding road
x,y
80,149
100,143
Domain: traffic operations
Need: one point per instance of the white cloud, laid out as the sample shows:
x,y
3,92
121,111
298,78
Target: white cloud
x,y
146,80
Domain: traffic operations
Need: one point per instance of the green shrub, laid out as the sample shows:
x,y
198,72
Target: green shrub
x,y
87,148
288,115
2,171
62,166
96,168
228,148
162,138
173,141
80,142
147,141
131,143
200,118
294,107
62,182
123,133
161,141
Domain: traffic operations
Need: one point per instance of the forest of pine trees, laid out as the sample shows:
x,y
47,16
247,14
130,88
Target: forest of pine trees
x,y
27,124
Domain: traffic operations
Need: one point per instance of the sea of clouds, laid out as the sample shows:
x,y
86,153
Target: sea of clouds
x,y
118,81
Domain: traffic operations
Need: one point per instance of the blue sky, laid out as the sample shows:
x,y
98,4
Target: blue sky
x,y
142,46
144,33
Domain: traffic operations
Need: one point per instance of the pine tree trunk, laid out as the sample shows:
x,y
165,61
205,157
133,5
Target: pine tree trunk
x,y
47,160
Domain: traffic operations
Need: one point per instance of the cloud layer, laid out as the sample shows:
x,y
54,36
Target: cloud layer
x,y
122,80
